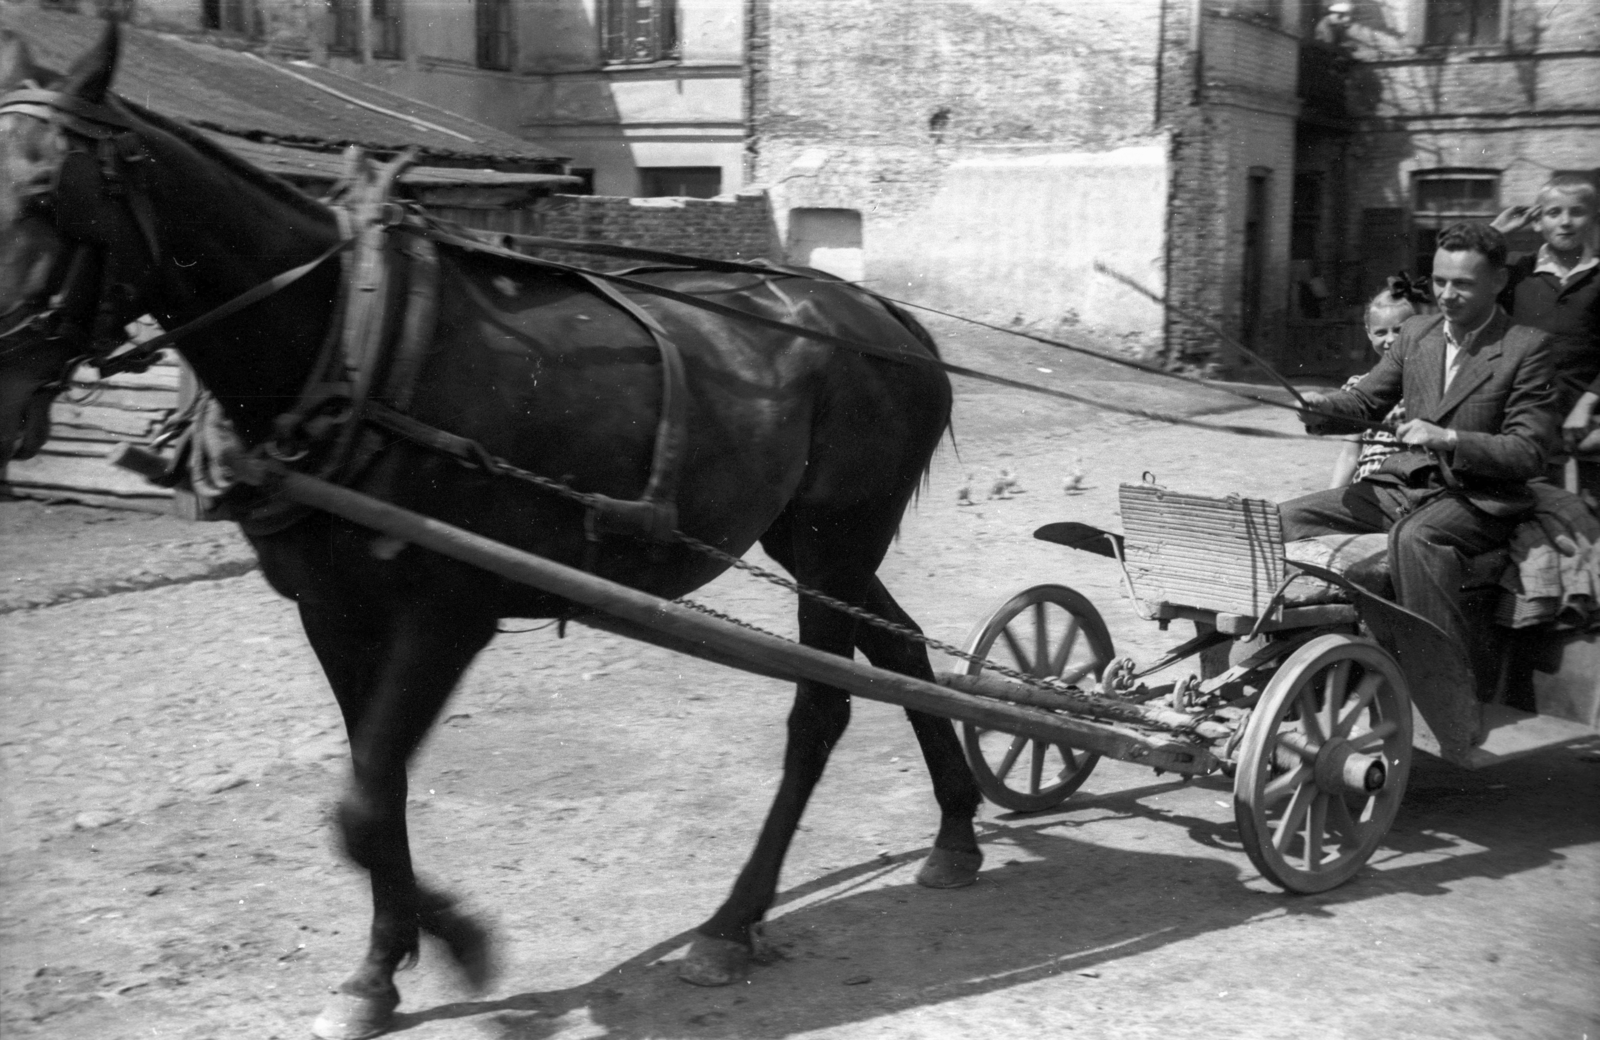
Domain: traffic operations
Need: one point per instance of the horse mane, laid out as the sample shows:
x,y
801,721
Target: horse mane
x,y
272,184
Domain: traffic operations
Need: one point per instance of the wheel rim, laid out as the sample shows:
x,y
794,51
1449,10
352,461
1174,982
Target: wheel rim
x,y
1048,631
1334,720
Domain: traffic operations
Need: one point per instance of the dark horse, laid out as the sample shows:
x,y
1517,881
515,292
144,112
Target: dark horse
x,y
808,448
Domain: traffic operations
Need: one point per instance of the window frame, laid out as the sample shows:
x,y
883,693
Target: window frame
x,y
387,28
1427,223
617,20
1425,22
495,24
343,34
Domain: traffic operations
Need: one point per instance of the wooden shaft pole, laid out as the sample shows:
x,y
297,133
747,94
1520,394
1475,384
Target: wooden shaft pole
x,y
688,631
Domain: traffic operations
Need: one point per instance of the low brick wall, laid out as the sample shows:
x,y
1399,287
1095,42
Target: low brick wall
x,y
735,227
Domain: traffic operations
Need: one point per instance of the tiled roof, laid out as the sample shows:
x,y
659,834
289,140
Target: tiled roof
x,y
269,100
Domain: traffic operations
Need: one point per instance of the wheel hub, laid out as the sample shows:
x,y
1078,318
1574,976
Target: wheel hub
x,y
1339,767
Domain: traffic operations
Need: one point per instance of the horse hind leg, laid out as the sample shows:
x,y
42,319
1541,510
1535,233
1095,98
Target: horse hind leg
x,y
955,858
835,554
391,679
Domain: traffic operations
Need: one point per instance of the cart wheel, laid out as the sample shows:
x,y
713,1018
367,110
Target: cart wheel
x,y
1324,763
1048,631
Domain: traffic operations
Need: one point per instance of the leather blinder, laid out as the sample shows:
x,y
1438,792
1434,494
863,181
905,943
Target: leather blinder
x,y
83,211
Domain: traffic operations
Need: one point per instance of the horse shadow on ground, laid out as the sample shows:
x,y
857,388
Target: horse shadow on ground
x,y
865,942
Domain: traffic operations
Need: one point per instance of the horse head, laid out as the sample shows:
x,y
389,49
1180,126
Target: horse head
x,y
73,264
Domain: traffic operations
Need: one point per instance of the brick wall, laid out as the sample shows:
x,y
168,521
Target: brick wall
x,y
993,148
737,227
1231,105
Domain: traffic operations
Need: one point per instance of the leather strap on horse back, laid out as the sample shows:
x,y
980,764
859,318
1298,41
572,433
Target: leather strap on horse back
x,y
389,318
654,514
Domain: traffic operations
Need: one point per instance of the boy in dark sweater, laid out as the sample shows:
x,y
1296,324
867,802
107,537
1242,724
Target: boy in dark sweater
x,y
1557,290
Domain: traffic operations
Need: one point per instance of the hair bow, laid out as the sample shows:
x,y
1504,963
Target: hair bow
x,y
1403,286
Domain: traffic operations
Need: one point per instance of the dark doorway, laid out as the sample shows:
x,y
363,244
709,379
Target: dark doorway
x,y
693,182
1255,250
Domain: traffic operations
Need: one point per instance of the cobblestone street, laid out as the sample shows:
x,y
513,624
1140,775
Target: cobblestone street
x,y
170,752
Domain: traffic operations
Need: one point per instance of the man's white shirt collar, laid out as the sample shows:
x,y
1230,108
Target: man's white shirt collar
x,y
1452,349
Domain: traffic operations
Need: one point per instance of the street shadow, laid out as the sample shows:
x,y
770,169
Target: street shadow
x,y
864,942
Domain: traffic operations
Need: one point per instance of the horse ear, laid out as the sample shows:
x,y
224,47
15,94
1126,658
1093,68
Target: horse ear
x,y
90,77
16,63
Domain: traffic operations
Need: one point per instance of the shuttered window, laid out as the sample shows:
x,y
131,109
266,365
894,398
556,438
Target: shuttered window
x,y
494,33
386,41
638,32
344,27
1461,23
1444,197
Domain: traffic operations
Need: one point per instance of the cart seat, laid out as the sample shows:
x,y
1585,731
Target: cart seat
x,y
1363,559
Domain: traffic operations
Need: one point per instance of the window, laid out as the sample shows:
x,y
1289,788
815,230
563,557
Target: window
x,y
585,185
1444,197
386,42
1461,23
494,33
344,27
693,182
229,16
638,32
829,240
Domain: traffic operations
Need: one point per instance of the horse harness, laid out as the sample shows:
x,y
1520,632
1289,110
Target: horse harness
x,y
384,317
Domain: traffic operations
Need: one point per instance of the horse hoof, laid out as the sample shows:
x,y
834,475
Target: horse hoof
x,y
715,962
349,1017
949,868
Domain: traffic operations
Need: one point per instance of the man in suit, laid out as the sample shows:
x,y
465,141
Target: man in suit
x,y
1481,398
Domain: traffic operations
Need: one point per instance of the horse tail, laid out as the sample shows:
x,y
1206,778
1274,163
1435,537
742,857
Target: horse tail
x,y
923,336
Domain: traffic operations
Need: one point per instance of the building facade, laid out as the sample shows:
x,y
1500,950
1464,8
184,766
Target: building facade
x,y
1259,171
646,96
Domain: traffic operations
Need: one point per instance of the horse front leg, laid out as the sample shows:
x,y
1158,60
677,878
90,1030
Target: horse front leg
x,y
392,679
956,857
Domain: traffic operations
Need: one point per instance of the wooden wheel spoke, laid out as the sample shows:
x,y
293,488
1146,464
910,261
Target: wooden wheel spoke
x,y
1024,663
1077,673
1335,681
1041,638
1036,770
1307,703
1293,816
1373,738
1285,785
1069,761
1063,654
1365,692
1340,820
1010,759
1316,823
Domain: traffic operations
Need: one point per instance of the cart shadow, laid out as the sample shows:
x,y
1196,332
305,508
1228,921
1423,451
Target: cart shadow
x,y
865,942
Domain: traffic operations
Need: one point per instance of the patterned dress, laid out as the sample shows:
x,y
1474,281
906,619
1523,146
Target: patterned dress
x,y
1376,445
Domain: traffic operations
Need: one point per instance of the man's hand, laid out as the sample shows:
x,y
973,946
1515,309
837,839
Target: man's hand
x,y
1313,400
1418,433
1514,218
1576,426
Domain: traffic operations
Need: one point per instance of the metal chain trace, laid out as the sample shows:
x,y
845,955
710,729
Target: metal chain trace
x,y
1087,705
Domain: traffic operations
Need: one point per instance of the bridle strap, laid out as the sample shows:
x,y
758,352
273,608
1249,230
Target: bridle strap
x,y
141,353
118,146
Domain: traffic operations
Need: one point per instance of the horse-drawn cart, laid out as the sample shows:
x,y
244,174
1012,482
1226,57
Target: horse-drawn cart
x,y
1311,692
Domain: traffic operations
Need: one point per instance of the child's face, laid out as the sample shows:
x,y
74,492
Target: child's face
x,y
1383,325
1565,219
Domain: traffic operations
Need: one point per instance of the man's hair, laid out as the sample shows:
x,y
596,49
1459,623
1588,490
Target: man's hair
x,y
1470,236
1572,184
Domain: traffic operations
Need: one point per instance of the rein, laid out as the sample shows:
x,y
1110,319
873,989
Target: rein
x,y
466,241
